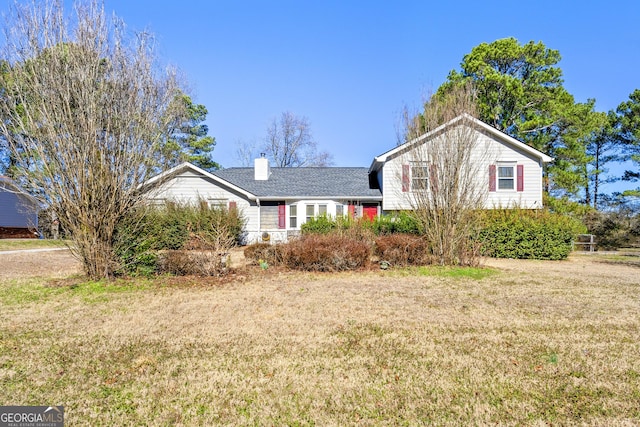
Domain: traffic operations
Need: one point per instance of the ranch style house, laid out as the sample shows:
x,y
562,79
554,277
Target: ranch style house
x,y
277,201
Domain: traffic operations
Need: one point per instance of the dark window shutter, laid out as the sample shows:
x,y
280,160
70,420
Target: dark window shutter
x,y
406,179
520,175
492,177
282,220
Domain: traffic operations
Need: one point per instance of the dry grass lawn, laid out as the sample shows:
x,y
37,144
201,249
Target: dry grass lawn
x,y
534,343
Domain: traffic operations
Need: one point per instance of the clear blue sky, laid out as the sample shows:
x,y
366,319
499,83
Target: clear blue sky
x,y
351,66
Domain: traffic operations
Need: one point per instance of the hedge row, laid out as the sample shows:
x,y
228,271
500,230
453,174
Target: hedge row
x,y
509,233
401,222
528,234
339,252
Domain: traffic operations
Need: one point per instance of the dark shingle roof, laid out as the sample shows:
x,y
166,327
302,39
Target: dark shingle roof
x,y
329,182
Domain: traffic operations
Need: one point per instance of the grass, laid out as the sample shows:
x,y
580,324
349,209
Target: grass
x,y
17,244
476,273
526,344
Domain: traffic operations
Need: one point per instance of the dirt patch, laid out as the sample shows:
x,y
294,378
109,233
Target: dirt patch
x,y
55,263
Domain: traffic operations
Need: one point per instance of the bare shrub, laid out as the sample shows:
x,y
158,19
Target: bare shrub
x,y
257,252
447,188
193,262
326,253
403,249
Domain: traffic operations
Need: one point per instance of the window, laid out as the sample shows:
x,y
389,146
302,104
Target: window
x,y
217,203
293,216
310,212
419,176
339,210
322,210
272,215
506,177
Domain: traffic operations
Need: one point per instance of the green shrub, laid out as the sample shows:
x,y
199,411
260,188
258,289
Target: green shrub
x,y
324,224
143,235
528,234
402,222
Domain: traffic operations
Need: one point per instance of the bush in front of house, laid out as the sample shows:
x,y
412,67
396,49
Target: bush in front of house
x,y
330,252
314,252
177,238
402,249
402,222
264,253
528,234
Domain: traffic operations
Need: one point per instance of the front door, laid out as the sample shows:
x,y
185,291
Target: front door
x,y
369,211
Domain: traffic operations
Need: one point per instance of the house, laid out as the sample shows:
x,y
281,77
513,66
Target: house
x,y
18,211
274,201
277,201
508,170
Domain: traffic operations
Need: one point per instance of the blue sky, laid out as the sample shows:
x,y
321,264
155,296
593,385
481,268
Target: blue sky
x,y
351,66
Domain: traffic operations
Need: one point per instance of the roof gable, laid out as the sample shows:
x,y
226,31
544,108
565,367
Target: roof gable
x,y
464,119
189,167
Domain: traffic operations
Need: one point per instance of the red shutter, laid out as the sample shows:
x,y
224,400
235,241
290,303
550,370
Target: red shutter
x,y
233,206
282,220
406,179
492,177
433,177
352,211
520,175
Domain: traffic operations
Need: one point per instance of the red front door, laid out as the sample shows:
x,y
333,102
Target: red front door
x,y
369,211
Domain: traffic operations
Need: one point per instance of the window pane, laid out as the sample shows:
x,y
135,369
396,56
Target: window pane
x,y
339,210
310,210
505,178
505,172
505,184
293,216
419,176
322,209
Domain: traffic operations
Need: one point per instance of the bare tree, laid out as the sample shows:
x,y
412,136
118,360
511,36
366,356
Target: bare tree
x,y
447,165
85,113
246,152
289,143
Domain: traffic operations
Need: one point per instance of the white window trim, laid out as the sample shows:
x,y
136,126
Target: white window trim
x,y
289,216
506,164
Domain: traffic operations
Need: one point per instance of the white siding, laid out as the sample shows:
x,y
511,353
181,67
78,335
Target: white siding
x,y
188,187
488,150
